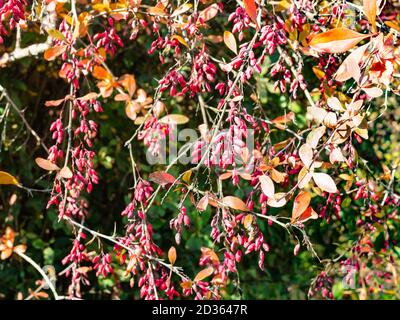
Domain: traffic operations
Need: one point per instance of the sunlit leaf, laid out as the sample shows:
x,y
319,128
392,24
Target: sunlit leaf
x,y
172,255
174,118
6,178
324,182
278,200
370,11
336,40
267,186
234,203
46,164
162,178
251,10
301,203
204,274
230,41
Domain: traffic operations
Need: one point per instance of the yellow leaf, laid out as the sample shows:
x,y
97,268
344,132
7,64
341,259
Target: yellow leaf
x,y
6,178
186,176
230,41
180,39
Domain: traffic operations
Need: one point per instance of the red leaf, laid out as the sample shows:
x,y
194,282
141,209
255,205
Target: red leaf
x,y
251,10
162,178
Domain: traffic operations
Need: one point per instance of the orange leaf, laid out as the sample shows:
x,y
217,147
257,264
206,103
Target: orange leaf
x,y
284,119
54,103
186,284
230,41
121,97
234,203
301,203
225,175
370,11
204,274
209,253
251,10
21,248
172,255
52,53
46,164
5,254
101,74
336,40
89,96
128,81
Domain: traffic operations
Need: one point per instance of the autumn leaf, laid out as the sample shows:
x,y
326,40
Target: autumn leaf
x,y
314,136
162,178
209,13
337,40
308,214
278,200
174,118
46,164
370,11
6,178
301,203
56,34
251,10
267,186
234,203
306,155
54,103
350,66
324,182
182,9
52,53
172,255
204,274
230,41
180,40
65,173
